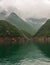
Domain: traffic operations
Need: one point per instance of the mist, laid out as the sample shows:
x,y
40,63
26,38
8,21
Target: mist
x,y
27,8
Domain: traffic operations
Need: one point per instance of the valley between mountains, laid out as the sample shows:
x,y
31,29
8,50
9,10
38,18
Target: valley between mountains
x,y
13,28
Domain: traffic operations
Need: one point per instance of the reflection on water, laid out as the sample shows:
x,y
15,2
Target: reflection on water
x,y
27,53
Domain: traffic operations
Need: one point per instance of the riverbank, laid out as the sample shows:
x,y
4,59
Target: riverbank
x,y
41,39
13,39
16,39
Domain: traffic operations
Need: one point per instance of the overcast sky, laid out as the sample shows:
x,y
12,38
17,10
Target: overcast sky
x,y
28,8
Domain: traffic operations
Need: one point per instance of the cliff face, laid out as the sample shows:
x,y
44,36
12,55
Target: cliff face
x,y
44,31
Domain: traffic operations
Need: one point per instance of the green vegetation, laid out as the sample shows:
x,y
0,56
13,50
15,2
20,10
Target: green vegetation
x,y
8,30
44,31
20,23
26,34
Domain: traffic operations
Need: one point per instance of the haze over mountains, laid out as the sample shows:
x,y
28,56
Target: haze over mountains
x,y
2,15
36,23
30,25
19,23
37,20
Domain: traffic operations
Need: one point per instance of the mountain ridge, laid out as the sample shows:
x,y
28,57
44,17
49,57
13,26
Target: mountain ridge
x,y
44,31
8,30
19,23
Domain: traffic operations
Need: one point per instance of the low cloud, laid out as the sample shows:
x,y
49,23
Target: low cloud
x,y
27,8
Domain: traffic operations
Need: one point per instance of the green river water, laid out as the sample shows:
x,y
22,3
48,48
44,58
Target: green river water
x,y
26,53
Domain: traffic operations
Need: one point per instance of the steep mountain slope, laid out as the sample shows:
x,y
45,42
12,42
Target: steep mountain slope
x,y
31,26
20,24
8,30
44,31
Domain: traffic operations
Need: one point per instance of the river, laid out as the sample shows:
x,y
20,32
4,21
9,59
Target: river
x,y
26,53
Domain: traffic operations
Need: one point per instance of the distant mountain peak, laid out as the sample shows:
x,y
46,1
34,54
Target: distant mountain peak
x,y
13,14
20,23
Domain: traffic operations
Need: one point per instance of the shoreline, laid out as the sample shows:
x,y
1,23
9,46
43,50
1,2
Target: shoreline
x,y
34,39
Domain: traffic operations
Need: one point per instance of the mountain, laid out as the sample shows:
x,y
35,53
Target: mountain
x,y
44,31
2,15
29,26
8,30
20,24
36,23
26,34
40,20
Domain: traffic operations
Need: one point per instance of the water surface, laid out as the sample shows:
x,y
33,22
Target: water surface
x,y
26,53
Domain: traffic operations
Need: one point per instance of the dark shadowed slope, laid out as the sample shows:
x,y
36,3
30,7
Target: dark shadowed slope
x,y
8,30
44,31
